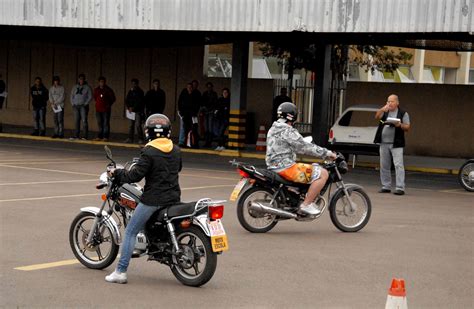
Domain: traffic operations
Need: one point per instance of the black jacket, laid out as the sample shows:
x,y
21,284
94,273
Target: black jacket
x,y
399,140
136,100
155,101
159,163
40,96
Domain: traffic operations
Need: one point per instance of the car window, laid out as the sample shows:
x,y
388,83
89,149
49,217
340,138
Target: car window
x,y
358,119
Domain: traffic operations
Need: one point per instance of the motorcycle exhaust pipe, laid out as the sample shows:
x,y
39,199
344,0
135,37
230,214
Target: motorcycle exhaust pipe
x,y
256,206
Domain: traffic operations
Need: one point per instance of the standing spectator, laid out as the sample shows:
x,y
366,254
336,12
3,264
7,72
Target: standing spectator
x,y
135,102
104,97
81,95
39,93
56,98
208,107
3,95
197,98
282,98
155,99
391,137
221,118
186,110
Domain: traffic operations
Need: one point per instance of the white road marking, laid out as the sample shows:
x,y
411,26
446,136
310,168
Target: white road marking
x,y
45,182
50,162
46,170
36,160
97,194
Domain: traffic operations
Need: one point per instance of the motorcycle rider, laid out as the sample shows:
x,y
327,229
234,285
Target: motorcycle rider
x,y
283,143
159,163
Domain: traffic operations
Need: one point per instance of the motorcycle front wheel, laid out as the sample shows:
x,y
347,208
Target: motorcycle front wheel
x,y
252,221
197,262
101,252
346,218
463,176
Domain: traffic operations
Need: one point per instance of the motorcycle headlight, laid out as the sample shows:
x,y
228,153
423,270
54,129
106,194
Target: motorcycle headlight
x,y
342,167
104,178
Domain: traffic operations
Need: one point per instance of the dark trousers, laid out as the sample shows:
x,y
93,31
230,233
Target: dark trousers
x,y
209,125
80,115
39,118
103,123
219,131
138,123
59,123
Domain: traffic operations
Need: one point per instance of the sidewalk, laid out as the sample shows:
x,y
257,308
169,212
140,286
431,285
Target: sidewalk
x,y
432,165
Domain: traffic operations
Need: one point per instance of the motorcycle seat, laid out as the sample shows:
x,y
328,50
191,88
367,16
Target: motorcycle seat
x,y
275,178
181,209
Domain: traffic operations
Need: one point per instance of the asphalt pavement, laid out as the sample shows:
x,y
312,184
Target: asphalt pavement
x,y
424,237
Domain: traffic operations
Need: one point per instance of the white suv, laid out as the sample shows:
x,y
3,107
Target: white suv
x,y
354,131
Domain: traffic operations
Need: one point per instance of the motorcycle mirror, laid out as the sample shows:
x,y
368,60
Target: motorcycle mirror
x,y
108,152
308,139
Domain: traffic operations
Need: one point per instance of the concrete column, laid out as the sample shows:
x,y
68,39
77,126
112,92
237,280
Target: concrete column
x,y
250,67
238,96
418,65
321,95
462,73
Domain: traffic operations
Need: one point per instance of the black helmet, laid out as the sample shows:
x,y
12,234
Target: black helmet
x,y
287,111
157,125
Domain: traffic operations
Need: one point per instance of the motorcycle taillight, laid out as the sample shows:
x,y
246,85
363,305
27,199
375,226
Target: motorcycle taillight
x,y
243,174
216,212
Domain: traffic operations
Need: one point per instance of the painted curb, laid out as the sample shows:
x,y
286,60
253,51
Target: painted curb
x,y
225,153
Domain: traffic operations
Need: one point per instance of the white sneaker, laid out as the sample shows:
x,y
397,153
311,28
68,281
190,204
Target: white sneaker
x,y
116,277
222,148
219,148
310,209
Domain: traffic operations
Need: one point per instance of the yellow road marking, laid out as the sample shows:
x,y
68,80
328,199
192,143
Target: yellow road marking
x,y
47,265
45,182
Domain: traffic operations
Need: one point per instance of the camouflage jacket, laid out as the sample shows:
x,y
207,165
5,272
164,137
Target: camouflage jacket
x,y
283,144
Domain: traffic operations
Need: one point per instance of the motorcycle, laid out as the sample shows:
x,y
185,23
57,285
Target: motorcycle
x,y
466,175
265,198
186,237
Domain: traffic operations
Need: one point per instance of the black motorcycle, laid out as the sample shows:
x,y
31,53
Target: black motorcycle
x,y
186,237
265,198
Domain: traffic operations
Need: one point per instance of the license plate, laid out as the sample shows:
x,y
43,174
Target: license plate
x,y
237,189
218,237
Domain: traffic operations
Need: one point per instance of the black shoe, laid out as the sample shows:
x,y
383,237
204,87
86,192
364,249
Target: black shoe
x,y
42,133
383,190
60,136
35,133
399,192
55,136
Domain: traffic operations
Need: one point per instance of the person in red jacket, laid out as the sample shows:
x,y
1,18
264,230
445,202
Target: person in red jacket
x,y
104,97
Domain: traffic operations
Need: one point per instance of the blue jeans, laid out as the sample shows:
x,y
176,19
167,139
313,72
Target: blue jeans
x,y
59,123
182,134
103,123
137,223
80,115
39,118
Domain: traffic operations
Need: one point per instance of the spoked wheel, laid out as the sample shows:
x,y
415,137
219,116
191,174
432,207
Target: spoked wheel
x,y
197,263
103,250
466,176
346,218
253,221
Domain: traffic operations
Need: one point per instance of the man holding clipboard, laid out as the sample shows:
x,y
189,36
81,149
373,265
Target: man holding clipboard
x,y
393,123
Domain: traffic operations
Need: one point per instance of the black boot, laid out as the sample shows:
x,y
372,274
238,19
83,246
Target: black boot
x,y
35,133
42,133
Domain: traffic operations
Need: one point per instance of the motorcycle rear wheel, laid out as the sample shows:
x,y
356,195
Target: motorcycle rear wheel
x,y
93,256
255,222
463,175
198,252
341,215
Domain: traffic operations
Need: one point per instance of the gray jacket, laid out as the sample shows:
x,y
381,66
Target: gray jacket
x,y
56,95
81,95
284,142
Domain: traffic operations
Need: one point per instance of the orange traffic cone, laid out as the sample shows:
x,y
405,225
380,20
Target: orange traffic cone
x,y
397,297
262,139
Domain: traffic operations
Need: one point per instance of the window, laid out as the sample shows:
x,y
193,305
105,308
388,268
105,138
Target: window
x,y
358,119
